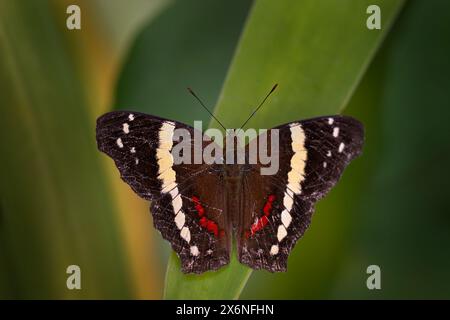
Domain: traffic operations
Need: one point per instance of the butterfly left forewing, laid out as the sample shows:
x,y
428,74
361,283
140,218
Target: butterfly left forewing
x,y
131,140
277,208
186,202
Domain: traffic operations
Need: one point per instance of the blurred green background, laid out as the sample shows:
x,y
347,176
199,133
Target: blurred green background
x,y
62,202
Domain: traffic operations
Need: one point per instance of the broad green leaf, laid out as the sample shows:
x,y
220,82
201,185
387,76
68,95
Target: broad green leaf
x,y
317,51
55,203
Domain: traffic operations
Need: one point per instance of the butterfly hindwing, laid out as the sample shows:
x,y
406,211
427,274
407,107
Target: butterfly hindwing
x,y
277,208
186,209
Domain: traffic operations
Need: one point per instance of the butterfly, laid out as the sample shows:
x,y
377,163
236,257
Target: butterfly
x,y
203,208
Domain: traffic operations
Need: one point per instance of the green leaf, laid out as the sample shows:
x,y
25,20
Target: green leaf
x,y
317,52
190,44
56,210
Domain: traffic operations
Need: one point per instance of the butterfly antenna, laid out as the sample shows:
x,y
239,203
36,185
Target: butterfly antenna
x,y
259,106
203,105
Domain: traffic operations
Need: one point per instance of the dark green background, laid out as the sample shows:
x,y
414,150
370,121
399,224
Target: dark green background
x,y
392,203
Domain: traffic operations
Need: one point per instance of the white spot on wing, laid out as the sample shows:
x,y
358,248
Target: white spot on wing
x,y
341,147
185,234
168,178
174,192
119,143
329,153
274,250
177,203
194,251
298,160
281,232
131,117
133,150
165,159
286,218
180,219
136,161
324,164
335,132
126,128
295,178
330,121
288,201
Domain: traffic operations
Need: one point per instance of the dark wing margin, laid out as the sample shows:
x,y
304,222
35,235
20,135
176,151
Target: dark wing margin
x,y
277,208
180,194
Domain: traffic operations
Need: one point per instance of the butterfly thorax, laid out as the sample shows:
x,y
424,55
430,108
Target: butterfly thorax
x,y
233,152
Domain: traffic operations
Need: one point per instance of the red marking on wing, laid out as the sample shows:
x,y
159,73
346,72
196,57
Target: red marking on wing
x,y
264,220
206,223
